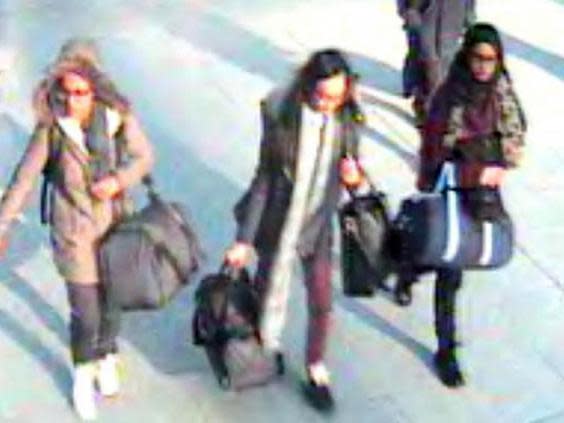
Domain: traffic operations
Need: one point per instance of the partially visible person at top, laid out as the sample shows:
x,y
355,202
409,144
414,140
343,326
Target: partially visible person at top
x,y
433,29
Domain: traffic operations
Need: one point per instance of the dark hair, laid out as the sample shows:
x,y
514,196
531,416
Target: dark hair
x,y
321,65
482,33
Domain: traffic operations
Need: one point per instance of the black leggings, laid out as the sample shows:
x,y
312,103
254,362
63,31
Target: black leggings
x,y
447,284
94,322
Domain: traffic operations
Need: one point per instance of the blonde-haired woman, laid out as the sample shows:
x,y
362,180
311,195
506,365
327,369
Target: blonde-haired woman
x,y
83,123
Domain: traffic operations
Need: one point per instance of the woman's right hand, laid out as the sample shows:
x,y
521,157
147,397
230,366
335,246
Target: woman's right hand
x,y
239,255
492,176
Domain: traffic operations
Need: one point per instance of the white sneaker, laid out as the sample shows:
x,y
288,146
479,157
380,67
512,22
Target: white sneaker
x,y
83,391
108,375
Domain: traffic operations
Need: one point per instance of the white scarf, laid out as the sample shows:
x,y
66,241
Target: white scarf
x,y
309,187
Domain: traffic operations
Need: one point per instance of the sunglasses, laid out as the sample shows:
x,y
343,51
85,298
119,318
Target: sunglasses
x,y
325,97
483,58
78,92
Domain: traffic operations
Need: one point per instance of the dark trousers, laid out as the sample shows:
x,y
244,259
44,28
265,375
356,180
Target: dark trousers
x,y
94,323
447,284
317,278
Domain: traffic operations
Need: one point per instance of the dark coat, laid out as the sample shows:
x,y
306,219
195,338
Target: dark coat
x,y
261,212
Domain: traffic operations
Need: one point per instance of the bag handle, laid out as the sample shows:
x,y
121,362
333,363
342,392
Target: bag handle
x,y
446,184
155,197
447,177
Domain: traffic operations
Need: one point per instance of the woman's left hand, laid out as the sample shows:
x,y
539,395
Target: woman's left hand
x,y
106,188
492,176
351,172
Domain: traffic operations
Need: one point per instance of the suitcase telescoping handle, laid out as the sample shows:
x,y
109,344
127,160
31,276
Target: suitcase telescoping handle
x,y
149,183
229,271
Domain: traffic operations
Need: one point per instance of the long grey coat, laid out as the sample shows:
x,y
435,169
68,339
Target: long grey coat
x,y
77,220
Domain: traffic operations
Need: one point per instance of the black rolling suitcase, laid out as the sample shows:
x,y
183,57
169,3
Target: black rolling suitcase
x,y
225,324
365,262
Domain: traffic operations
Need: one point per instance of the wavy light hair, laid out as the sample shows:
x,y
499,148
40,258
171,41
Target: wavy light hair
x,y
79,56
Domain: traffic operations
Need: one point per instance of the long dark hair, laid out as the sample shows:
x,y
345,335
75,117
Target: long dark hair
x,y
321,65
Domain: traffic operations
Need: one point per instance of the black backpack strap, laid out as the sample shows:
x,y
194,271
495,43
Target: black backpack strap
x,y
49,175
45,205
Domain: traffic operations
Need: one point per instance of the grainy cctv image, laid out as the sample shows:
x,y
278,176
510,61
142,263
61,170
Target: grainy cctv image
x,y
281,211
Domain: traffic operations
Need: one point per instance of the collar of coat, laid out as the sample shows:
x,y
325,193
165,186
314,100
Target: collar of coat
x,y
71,128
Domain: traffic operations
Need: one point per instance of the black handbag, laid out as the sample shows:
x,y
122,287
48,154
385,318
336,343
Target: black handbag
x,y
225,323
365,262
147,257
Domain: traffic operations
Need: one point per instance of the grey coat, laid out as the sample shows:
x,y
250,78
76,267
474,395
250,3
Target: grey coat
x,y
78,221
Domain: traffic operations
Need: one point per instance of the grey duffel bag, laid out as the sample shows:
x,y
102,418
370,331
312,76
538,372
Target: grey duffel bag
x,y
150,255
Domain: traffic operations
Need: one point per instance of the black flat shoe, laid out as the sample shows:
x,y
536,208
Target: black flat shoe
x,y
279,362
447,368
319,396
402,294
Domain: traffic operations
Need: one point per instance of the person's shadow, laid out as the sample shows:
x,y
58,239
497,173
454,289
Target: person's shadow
x,y
26,241
370,318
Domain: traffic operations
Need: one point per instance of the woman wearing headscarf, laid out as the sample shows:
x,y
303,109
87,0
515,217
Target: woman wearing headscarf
x,y
91,148
476,122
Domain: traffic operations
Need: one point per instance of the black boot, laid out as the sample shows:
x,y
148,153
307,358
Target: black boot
x,y
279,362
402,294
446,287
402,291
447,368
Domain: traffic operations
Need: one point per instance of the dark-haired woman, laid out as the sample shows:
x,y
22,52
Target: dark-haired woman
x,y
286,213
81,118
475,122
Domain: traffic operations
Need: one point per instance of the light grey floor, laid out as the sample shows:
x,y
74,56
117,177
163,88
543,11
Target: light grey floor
x,y
195,71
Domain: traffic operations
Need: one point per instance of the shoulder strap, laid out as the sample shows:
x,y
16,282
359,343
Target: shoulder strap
x,y
49,171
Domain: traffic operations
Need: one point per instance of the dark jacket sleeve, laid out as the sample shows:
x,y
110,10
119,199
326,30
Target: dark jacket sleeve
x,y
249,209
